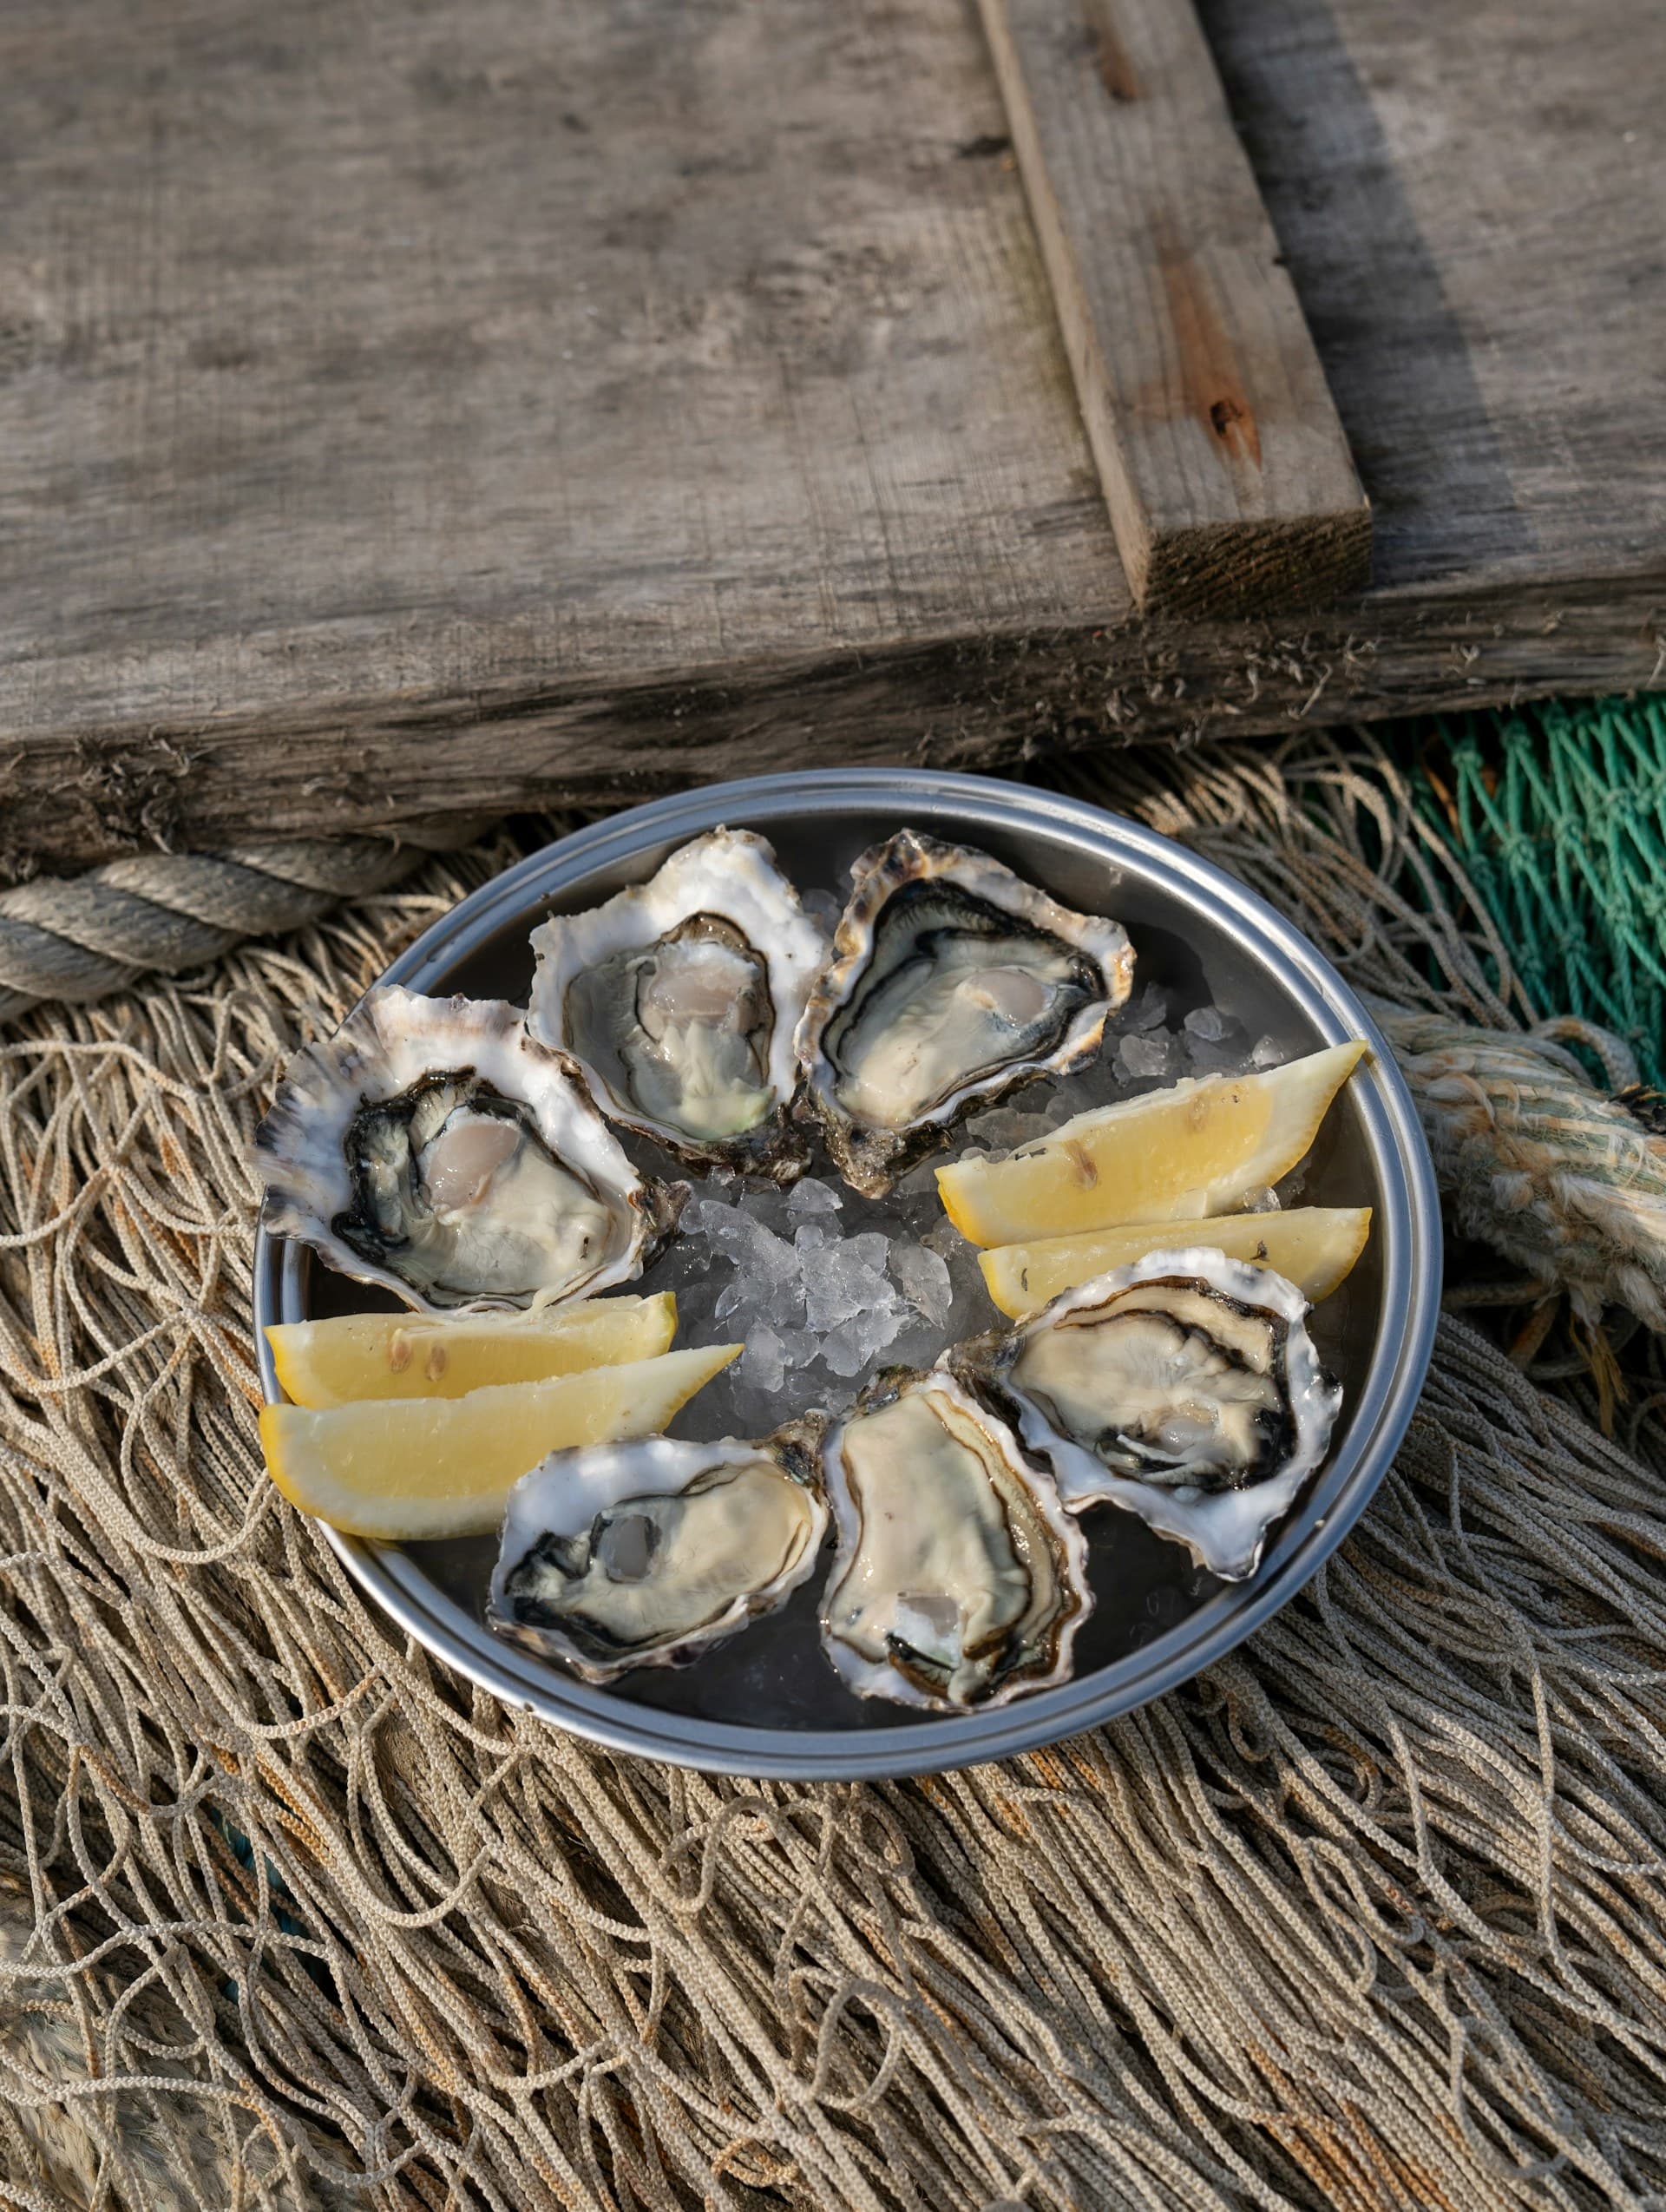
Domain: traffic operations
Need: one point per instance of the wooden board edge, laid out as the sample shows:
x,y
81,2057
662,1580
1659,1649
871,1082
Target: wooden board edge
x,y
73,797
1223,571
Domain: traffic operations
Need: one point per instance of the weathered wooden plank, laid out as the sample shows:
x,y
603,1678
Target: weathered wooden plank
x,y
1227,476
403,348
953,703
308,519
1470,201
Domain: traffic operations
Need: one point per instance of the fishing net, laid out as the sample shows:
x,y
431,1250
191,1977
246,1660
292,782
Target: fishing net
x,y
1370,1915
1559,817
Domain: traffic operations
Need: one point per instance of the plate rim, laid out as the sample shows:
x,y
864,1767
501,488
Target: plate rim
x,y
1410,1230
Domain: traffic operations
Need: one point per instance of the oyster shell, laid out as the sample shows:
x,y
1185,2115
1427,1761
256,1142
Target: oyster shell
x,y
432,1147
952,980
645,1554
1184,1387
679,998
959,1580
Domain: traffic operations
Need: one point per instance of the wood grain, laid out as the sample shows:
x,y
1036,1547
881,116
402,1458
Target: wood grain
x,y
403,348
1225,468
405,408
1469,201
954,702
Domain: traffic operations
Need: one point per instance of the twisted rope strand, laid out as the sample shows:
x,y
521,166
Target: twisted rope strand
x,y
78,938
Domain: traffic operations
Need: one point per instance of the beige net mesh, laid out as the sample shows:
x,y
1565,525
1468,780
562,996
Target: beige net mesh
x,y
1370,1916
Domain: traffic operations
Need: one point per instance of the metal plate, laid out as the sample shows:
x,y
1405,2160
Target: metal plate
x,y
768,1705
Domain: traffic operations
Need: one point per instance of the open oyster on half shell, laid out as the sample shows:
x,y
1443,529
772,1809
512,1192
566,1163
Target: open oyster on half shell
x,y
1184,1387
959,1581
952,980
679,998
646,1554
432,1147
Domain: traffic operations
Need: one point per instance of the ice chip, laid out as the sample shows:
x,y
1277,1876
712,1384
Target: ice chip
x,y
844,1352
830,1295
797,1348
857,1343
1212,1024
943,1238
1144,1056
776,1260
922,1276
763,1362
764,1276
1147,1009
1266,1052
812,1197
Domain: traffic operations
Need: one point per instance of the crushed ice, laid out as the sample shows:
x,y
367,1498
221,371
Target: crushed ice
x,y
826,1286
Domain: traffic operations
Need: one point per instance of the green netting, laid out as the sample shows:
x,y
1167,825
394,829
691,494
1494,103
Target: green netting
x,y
1558,814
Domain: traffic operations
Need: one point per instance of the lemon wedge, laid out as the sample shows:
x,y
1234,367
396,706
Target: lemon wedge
x,y
1313,1247
404,1470
1174,1155
410,1355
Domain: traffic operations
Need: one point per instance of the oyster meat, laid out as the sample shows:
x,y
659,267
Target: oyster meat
x,y
1184,1387
645,1554
952,980
959,1580
432,1147
679,998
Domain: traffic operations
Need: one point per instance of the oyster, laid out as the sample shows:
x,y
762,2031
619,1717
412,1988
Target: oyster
x,y
959,1580
432,1147
645,1554
679,998
952,980
1184,1387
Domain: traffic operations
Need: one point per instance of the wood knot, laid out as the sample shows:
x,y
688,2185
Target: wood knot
x,y
1235,426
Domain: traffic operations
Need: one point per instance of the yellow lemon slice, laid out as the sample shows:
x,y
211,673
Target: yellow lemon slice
x,y
1313,1247
411,1356
407,1470
1174,1155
